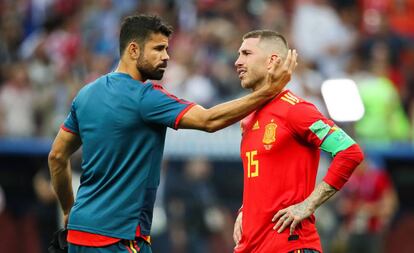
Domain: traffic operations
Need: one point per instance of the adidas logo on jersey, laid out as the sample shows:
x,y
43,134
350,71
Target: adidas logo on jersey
x,y
256,126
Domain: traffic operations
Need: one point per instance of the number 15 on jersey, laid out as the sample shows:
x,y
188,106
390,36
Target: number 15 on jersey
x,y
252,164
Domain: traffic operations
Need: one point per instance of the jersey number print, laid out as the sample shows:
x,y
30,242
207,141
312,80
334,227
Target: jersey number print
x,y
252,164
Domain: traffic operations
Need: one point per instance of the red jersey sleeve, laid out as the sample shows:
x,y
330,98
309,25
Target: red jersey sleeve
x,y
308,124
343,165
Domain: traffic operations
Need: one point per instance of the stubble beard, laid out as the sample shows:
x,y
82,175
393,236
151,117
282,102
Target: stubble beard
x,y
148,72
252,83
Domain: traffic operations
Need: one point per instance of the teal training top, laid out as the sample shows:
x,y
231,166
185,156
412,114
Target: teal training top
x,y
122,124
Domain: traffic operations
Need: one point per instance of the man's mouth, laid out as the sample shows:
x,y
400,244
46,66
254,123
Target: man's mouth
x,y
162,66
241,72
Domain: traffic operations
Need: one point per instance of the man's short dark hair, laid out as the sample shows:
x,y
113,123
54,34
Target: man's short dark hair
x,y
138,28
265,34
270,38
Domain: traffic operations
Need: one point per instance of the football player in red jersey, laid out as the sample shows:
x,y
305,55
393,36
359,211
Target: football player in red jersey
x,y
280,150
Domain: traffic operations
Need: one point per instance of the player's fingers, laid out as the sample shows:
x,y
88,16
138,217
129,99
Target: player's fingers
x,y
288,60
293,61
287,66
281,219
278,214
279,222
295,222
237,236
65,220
285,224
237,231
281,68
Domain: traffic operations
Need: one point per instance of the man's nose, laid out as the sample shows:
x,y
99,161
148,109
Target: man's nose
x,y
237,62
165,57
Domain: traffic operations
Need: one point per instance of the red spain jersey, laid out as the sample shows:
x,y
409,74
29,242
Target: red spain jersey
x,y
280,153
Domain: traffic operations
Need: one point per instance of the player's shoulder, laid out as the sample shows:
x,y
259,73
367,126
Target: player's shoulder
x,y
89,87
154,86
292,101
289,98
296,108
287,101
150,86
157,90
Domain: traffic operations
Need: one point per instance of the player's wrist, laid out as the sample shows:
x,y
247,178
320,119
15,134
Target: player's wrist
x,y
268,91
310,206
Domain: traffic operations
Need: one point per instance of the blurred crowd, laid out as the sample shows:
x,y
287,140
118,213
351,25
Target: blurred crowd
x,y
49,49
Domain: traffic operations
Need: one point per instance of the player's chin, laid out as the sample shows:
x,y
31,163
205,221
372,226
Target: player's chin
x,y
157,75
245,84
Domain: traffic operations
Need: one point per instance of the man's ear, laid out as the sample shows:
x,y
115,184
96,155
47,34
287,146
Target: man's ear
x,y
274,58
133,50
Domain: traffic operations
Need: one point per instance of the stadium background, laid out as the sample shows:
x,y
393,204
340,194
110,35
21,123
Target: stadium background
x,y
49,49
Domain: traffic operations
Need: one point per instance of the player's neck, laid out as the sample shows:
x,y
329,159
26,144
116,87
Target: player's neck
x,y
257,86
130,69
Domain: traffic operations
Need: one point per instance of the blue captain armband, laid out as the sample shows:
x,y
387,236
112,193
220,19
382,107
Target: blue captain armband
x,y
337,141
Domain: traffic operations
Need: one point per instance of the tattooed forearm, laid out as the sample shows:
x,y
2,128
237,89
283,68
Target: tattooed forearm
x,y
293,215
322,193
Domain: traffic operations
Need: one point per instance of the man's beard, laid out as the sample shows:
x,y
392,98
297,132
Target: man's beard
x,y
252,82
149,72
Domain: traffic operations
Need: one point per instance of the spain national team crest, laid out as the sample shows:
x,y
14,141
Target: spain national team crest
x,y
269,136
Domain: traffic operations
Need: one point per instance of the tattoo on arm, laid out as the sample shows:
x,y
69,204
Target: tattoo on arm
x,y
293,215
322,193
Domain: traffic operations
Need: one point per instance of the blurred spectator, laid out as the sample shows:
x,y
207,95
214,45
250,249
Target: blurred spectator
x,y
399,13
272,15
192,207
384,120
400,238
306,82
401,18
17,104
199,88
100,28
394,47
367,204
11,31
321,37
2,200
46,207
19,228
408,90
69,42
64,42
160,241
